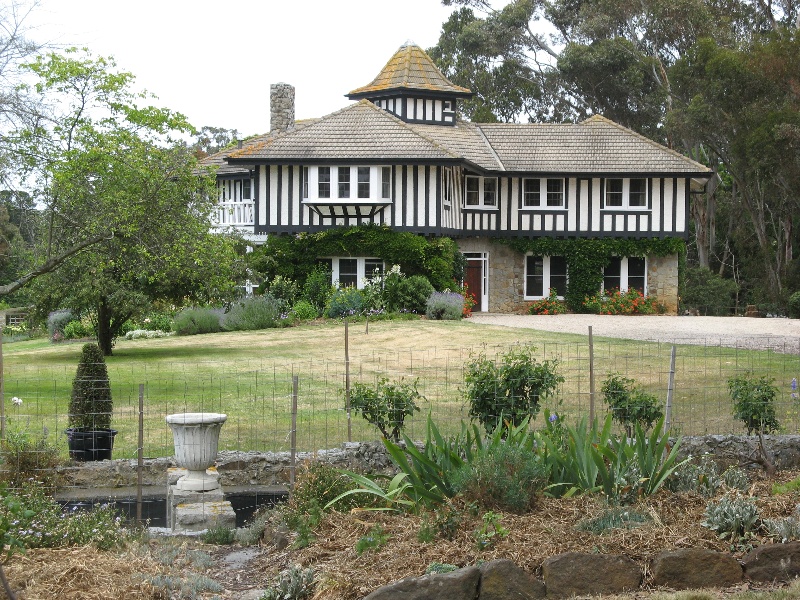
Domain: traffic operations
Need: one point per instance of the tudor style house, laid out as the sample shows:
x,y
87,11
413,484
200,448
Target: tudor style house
x,y
400,156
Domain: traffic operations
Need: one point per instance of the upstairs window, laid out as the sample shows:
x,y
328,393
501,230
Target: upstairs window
x,y
246,190
363,182
626,193
480,191
386,182
543,273
553,192
344,182
324,182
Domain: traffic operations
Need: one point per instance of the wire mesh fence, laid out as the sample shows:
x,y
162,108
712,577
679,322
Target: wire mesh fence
x,y
257,395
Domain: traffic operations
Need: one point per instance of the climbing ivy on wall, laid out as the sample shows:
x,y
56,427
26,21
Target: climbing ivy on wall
x,y
294,256
586,258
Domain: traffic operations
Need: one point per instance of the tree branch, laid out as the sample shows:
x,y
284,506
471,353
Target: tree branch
x,y
51,264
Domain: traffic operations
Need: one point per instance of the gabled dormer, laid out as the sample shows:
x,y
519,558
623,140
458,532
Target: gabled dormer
x,y
412,88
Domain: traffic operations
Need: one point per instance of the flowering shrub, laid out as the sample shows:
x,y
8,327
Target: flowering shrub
x,y
345,302
147,334
42,523
614,302
446,306
548,306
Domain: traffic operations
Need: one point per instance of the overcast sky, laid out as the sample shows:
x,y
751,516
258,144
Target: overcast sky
x,y
214,61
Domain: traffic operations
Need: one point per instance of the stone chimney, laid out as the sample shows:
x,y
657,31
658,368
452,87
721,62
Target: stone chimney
x,y
281,107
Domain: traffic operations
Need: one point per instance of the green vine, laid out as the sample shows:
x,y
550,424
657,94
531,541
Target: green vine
x,y
294,256
586,258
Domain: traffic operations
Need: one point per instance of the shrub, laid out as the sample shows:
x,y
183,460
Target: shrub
x,y
375,538
317,288
437,567
509,390
294,583
345,302
614,302
704,478
156,321
284,289
490,531
708,293
504,477
43,523
734,518
28,457
629,404
194,321
304,311
444,306
613,518
794,306
145,334
548,306
406,294
219,536
387,405
784,530
90,404
258,312
56,322
754,402
75,330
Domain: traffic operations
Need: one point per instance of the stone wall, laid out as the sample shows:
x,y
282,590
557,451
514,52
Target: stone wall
x,y
507,277
662,280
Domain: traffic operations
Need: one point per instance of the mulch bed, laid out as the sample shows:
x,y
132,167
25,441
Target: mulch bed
x,y
89,574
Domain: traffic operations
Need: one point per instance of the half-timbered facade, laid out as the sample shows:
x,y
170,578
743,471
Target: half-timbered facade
x,y
399,156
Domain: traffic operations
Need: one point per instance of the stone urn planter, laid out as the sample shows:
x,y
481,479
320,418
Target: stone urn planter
x,y
196,437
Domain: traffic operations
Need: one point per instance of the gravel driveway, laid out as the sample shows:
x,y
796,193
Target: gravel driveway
x,y
782,335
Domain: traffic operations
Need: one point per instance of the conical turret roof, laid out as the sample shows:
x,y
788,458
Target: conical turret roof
x,y
410,69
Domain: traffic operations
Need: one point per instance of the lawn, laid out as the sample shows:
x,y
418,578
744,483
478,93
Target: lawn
x,y
248,375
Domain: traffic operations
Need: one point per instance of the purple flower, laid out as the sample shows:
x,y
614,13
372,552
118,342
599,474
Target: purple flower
x,y
553,418
794,384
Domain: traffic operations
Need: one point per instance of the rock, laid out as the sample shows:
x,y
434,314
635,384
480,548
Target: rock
x,y
503,580
577,574
690,568
456,585
773,562
204,515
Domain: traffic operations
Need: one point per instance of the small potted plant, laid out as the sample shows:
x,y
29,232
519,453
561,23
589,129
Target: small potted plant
x,y
89,435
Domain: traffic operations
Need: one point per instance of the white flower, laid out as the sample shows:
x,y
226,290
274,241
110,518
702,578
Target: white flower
x,y
17,401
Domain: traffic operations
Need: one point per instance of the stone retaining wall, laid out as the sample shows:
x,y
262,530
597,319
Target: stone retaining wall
x,y
272,469
577,574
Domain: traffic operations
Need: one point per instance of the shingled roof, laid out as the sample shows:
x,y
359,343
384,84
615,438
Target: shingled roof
x,y
410,69
361,131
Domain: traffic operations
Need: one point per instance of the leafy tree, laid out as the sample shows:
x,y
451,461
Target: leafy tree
x,y
126,211
509,389
630,405
386,405
754,402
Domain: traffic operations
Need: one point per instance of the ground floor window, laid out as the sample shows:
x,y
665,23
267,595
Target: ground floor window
x,y
543,273
353,271
624,273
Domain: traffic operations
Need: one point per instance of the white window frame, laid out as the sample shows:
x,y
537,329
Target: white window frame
x,y
545,278
626,191
309,184
543,202
361,271
623,275
482,192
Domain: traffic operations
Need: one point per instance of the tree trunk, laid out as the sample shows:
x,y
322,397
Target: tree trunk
x,y
104,334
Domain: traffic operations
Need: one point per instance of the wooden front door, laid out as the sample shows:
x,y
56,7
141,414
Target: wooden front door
x,y
473,277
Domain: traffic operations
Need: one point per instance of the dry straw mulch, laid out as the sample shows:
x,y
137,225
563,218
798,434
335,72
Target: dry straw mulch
x,y
82,574
548,530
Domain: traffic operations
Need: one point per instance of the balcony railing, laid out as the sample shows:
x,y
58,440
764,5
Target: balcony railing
x,y
235,214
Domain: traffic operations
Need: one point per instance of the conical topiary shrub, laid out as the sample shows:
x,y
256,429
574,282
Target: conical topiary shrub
x,y
90,405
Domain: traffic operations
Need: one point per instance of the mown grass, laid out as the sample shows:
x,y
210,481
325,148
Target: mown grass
x,y
248,375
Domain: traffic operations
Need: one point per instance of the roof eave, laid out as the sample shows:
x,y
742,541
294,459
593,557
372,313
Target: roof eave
x,y
404,91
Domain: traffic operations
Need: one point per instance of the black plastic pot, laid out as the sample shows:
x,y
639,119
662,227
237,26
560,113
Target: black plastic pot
x,y
90,444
